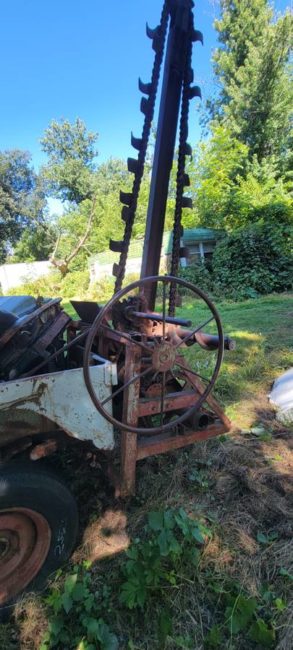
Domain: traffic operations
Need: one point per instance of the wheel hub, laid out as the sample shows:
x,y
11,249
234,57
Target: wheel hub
x,y
8,544
164,356
25,539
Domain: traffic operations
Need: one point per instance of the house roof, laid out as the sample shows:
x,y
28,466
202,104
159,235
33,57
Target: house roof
x,y
190,236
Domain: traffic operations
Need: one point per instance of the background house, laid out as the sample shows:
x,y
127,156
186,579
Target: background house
x,y
199,242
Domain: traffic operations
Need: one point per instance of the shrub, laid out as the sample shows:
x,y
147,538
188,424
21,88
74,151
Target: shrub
x,y
253,261
75,284
199,275
49,286
102,290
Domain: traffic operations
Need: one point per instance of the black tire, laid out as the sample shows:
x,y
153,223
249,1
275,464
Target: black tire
x,y
35,496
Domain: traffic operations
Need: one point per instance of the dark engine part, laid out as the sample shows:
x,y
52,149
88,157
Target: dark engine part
x,y
30,331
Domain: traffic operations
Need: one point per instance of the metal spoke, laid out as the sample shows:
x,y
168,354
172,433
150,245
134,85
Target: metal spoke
x,y
164,310
162,397
191,334
122,388
192,372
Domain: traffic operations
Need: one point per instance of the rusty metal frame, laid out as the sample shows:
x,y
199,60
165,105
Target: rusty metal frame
x,y
134,447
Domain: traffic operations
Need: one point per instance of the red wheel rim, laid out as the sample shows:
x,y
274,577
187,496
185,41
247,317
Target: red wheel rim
x,y
25,538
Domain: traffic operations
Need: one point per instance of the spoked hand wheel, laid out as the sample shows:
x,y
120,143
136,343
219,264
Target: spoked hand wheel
x,y
173,369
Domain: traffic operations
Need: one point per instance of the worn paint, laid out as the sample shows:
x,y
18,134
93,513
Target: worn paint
x,y
62,398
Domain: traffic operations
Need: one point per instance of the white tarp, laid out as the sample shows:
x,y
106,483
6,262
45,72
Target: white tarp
x,y
281,397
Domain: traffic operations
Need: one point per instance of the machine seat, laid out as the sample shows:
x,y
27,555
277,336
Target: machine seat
x,y
14,307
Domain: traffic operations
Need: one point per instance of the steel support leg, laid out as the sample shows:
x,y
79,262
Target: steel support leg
x,y
130,415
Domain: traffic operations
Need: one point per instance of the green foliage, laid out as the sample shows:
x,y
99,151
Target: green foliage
x,y
266,539
231,190
79,608
261,194
240,615
48,286
213,175
255,96
35,244
71,152
75,284
22,198
169,550
199,275
254,261
102,290
262,634
76,621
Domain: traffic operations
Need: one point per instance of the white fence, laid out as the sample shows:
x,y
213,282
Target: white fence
x,y
100,271
13,275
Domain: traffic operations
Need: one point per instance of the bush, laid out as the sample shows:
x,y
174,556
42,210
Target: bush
x,y
102,290
75,284
199,275
49,286
253,261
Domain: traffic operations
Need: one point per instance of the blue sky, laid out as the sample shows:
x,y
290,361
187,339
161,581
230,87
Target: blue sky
x,y
73,58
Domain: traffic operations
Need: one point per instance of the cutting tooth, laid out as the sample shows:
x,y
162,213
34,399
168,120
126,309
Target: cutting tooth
x,y
116,246
197,36
132,165
145,105
186,180
126,197
187,202
188,149
116,270
144,88
194,91
155,35
152,33
125,214
136,142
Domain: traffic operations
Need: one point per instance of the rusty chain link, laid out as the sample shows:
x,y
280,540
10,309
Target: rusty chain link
x,y
158,44
181,179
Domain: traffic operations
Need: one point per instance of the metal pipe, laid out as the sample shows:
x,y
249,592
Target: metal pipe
x,y
183,322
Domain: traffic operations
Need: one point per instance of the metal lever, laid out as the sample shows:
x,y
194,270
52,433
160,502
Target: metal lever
x,y
211,342
183,322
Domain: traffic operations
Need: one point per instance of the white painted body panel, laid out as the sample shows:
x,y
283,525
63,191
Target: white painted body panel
x,y
63,399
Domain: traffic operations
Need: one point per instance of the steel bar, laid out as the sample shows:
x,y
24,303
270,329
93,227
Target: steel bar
x,y
172,402
162,443
182,322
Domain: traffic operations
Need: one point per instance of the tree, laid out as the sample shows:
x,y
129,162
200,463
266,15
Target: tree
x,y
99,218
73,231
22,198
232,191
71,152
69,175
35,244
214,173
251,67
